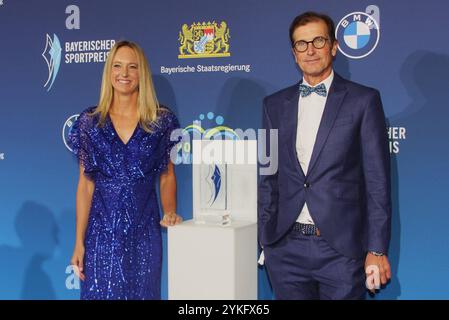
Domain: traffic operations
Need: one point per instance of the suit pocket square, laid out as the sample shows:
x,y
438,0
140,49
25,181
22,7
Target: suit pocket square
x,y
341,121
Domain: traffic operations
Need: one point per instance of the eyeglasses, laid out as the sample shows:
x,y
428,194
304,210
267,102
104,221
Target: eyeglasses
x,y
318,43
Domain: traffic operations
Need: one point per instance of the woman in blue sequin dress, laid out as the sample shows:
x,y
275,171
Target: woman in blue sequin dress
x,y
123,146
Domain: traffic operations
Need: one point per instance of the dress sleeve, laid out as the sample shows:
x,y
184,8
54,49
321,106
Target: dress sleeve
x,y
169,123
81,143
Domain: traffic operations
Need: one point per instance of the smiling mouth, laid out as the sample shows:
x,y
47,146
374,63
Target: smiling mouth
x,y
124,81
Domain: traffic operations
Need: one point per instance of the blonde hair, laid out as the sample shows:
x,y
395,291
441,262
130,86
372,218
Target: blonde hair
x,y
147,104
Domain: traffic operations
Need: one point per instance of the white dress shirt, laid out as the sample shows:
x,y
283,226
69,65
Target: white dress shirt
x,y
310,111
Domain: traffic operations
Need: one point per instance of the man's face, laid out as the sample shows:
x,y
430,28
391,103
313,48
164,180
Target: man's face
x,y
316,64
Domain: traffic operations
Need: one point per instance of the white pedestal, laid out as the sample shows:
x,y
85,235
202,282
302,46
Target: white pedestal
x,y
207,261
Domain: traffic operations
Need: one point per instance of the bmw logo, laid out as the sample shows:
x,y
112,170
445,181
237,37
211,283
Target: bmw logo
x,y
357,34
66,130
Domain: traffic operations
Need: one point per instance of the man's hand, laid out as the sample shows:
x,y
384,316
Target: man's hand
x,y
378,271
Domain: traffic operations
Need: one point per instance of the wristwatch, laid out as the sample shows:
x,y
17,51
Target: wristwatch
x,y
377,254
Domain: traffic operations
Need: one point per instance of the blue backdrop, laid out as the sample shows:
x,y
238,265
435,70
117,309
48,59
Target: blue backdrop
x,y
406,57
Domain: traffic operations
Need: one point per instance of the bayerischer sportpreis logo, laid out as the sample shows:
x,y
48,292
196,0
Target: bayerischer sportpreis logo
x,y
57,53
52,56
358,34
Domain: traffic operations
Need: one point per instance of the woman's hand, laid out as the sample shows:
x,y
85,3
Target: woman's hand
x,y
170,219
167,185
77,261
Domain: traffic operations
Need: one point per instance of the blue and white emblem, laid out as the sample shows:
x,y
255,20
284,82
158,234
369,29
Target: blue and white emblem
x,y
66,130
358,34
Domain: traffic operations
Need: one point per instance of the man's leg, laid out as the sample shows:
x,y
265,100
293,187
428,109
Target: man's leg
x,y
339,277
288,264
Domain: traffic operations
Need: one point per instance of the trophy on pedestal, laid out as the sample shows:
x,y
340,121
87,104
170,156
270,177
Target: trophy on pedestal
x,y
220,242
224,181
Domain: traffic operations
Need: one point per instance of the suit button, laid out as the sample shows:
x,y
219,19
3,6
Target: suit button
x,y
306,185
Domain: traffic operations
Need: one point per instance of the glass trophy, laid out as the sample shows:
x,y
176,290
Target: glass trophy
x,y
213,191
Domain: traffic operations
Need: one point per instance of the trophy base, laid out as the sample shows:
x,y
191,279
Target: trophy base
x,y
221,220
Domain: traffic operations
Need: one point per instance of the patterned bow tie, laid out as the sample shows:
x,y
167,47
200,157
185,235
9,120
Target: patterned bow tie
x,y
306,90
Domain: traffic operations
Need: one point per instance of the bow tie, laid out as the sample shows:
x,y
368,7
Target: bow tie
x,y
306,90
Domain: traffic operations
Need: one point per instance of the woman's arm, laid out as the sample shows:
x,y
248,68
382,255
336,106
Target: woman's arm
x,y
83,202
167,185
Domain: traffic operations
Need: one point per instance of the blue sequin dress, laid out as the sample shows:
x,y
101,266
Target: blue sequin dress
x,y
123,244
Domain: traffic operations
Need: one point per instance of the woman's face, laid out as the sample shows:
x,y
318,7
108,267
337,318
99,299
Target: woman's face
x,y
125,71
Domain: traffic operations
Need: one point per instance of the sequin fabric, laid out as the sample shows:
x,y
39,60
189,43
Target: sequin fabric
x,y
123,244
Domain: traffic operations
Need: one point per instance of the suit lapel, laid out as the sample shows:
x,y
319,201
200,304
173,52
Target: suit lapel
x,y
334,101
290,121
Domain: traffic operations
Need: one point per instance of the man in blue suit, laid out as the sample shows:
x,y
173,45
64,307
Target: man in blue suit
x,y
325,215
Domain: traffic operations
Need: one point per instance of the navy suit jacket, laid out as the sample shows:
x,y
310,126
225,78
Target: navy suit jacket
x,y
347,186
